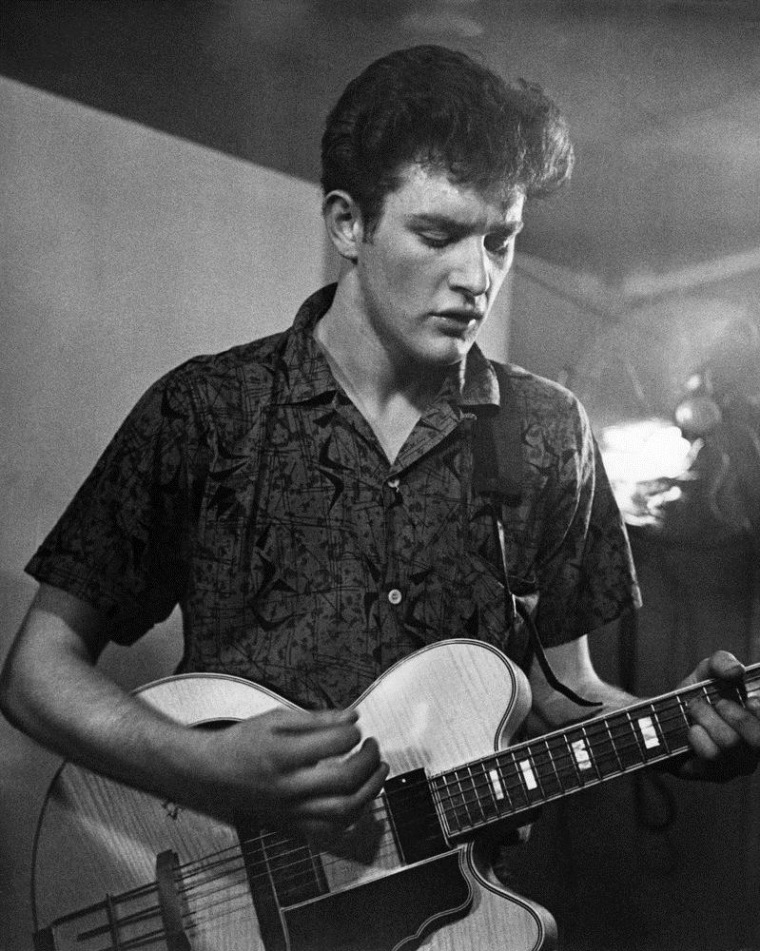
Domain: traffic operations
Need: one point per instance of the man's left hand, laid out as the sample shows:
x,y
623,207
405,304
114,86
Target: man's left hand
x,y
725,735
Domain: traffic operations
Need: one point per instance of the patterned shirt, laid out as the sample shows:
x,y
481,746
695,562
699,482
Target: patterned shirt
x,y
247,488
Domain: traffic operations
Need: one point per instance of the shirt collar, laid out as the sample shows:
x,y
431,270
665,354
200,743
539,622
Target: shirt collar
x,y
308,376
478,384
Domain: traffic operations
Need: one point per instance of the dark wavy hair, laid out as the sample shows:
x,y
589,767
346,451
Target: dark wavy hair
x,y
441,109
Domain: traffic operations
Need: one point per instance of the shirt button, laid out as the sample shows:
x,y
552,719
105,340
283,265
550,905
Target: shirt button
x,y
395,596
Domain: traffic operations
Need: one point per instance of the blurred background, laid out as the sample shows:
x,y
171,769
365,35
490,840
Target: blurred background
x,y
158,189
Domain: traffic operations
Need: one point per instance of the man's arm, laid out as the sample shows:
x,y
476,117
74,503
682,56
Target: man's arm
x,y
309,771
724,737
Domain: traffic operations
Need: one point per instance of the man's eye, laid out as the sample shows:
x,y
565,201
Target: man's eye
x,y
436,240
497,243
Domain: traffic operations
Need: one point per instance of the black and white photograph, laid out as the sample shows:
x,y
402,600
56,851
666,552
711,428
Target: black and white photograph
x,y
380,475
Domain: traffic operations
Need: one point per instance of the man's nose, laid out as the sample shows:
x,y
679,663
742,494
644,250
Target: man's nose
x,y
470,272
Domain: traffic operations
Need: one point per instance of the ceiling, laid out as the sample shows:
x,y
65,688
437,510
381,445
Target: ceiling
x,y
663,98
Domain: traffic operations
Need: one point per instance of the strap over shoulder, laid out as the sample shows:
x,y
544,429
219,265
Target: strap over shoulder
x,y
497,445
498,474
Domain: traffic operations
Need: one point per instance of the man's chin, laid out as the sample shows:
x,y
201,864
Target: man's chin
x,y
449,350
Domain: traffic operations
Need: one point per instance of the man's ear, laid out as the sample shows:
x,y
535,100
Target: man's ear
x,y
343,221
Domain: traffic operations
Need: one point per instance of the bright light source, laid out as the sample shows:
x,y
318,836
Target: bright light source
x,y
643,460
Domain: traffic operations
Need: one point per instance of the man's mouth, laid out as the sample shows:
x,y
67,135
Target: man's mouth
x,y
459,319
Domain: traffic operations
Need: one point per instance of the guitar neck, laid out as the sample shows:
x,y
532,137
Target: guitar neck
x,y
527,775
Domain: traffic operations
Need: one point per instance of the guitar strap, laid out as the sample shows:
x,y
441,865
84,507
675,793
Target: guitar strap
x,y
498,475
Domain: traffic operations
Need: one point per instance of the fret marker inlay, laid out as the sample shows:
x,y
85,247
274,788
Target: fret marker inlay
x,y
581,754
648,732
527,771
498,791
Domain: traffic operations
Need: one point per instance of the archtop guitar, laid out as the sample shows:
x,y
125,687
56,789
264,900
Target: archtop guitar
x,y
119,870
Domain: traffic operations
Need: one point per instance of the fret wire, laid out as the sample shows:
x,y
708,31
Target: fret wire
x,y
592,757
456,800
642,754
475,788
660,731
471,783
671,722
495,786
566,753
553,764
682,711
478,788
536,771
561,758
672,715
503,803
478,797
463,797
573,761
521,779
713,692
613,743
436,784
458,807
504,783
445,797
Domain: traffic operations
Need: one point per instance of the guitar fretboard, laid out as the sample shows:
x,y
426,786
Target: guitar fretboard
x,y
529,774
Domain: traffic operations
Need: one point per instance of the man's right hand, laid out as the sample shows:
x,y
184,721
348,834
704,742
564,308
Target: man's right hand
x,y
306,772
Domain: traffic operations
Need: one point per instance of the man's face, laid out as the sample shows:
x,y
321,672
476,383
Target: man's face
x,y
433,266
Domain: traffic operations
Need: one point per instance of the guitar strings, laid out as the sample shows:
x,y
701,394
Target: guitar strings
x,y
457,799
606,725
565,771
672,710
222,895
452,788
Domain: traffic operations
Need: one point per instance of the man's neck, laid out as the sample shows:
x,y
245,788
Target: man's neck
x,y
390,395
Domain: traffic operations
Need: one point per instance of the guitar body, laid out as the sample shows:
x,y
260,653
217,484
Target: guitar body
x,y
95,860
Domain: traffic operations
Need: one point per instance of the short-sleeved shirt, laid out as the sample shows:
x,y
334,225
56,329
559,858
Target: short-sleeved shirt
x,y
248,489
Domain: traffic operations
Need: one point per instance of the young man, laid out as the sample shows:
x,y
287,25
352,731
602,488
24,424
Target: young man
x,y
311,500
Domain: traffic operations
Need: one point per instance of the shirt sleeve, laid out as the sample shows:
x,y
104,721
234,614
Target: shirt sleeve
x,y
584,566
122,543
